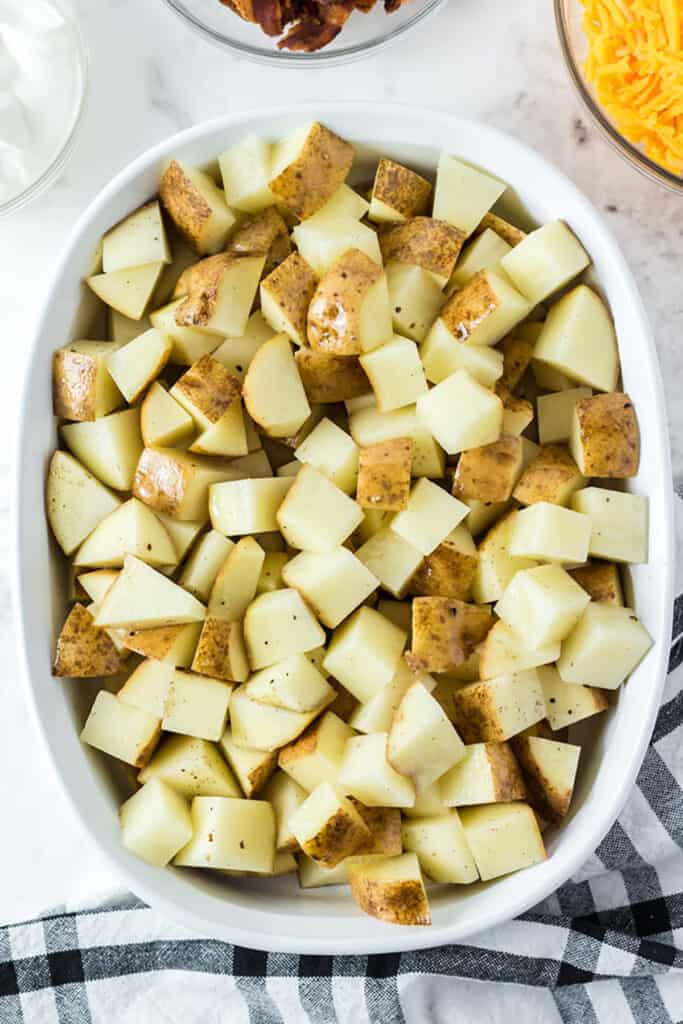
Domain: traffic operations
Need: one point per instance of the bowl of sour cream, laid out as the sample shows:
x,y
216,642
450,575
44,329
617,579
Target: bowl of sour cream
x,y
43,70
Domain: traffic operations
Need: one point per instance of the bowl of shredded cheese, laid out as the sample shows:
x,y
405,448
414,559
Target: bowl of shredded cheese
x,y
625,58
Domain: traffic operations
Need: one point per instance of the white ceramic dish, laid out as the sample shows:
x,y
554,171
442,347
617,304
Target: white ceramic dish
x,y
276,915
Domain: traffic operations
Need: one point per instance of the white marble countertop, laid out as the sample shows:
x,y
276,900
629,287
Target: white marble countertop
x,y
150,76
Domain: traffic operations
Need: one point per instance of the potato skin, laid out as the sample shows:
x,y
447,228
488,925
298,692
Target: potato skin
x,y
323,163
507,776
152,643
201,283
601,580
340,837
384,475
551,803
84,650
213,654
445,632
398,902
447,572
468,306
489,473
161,481
508,232
209,387
552,476
292,285
431,244
606,439
188,210
74,385
334,313
328,378
400,188
476,714
517,355
262,234
384,825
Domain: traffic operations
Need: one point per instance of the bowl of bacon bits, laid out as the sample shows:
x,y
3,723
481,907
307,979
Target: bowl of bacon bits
x,y
625,58
303,31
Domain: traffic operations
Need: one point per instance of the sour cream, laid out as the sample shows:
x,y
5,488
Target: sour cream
x,y
40,90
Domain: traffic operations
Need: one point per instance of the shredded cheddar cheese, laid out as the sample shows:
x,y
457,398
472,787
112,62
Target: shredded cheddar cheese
x,y
635,63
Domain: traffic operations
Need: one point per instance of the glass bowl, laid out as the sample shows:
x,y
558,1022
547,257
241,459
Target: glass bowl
x,y
63,148
362,34
574,46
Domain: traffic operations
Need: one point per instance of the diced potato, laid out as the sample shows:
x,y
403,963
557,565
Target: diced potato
x,y
330,450
219,293
422,742
85,651
391,889
432,514
155,823
177,483
210,394
349,311
315,757
550,771
189,343
236,354
328,827
183,533
95,584
391,559
163,422
235,583
109,447
578,339
256,465
240,507
504,651
605,439
441,848
196,206
604,647
192,767
82,386
369,426
131,529
230,833
329,378
542,605
344,203
429,458
502,838
294,684
551,534
517,352
518,413
445,632
333,583
552,476
196,706
397,193
424,242
556,412
201,568
322,243
258,726
134,366
364,653
463,193
271,577
245,170
278,625
428,804
619,523
450,569
415,299
139,238
366,774
173,644
121,730
147,686
308,167
489,473
315,514
601,581
547,260
480,417
376,714
483,253
396,374
384,473
286,294
484,310
483,514
568,703
273,393
76,501
546,376
497,565
496,709
127,291
220,651
142,598
487,773
285,796
512,234
443,355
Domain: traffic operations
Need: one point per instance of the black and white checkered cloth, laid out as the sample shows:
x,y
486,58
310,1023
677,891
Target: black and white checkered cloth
x,y
606,948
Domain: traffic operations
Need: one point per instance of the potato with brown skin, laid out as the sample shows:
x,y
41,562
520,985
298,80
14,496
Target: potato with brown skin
x,y
508,232
517,353
489,473
552,476
206,390
196,206
518,413
445,632
384,825
81,386
220,651
447,572
85,651
601,580
384,475
498,769
468,307
335,315
550,792
605,439
328,827
329,378
398,193
425,242
175,482
262,234
314,172
159,643
389,892
286,294
220,292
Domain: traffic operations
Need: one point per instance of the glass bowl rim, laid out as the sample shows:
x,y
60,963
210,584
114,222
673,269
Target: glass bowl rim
x,y
55,167
627,150
282,58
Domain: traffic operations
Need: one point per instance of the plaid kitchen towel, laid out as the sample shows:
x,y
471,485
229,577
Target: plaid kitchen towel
x,y
606,948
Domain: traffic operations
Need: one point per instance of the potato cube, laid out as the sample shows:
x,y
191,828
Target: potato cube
x,y
488,773
315,515
415,299
83,388
432,514
131,529
499,708
196,706
550,533
390,889
285,796
364,652
308,167
568,703
482,514
121,730
397,193
127,291
84,650
489,473
189,343
483,253
230,833
331,451
236,581
517,352
542,605
76,502
502,838
396,374
546,376
328,827
252,768
173,644
271,577
258,726
376,714
518,413
177,483
241,507
329,378
422,742
391,560
294,684
601,581
147,686
545,261
273,393
434,245
196,206
550,771
155,823
604,647
484,310
497,565
441,848
369,426
504,651
384,471
349,311
191,767
323,242
237,354
142,598
139,238
135,365
315,757
480,413
201,568
163,422
552,476
605,440
428,804
245,170
512,235
219,293
109,447
556,413
445,632
278,625
443,355
619,523
207,391
366,774
286,294
333,583
463,193
579,340
449,570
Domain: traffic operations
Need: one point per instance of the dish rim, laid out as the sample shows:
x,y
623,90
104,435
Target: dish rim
x,y
391,939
